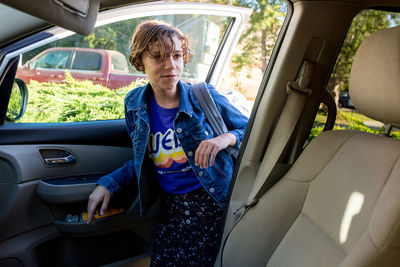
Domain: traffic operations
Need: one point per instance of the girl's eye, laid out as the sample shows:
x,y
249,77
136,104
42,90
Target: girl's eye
x,y
178,55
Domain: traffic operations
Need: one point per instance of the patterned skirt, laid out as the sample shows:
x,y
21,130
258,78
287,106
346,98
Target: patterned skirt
x,y
189,230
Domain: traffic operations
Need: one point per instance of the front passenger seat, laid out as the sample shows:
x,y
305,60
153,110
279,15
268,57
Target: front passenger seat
x,y
339,205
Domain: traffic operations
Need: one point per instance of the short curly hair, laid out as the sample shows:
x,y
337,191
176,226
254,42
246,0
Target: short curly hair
x,y
151,31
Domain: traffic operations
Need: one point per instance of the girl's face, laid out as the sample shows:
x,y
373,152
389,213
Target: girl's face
x,y
164,75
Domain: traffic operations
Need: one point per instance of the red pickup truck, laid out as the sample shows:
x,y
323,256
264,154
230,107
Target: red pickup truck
x,y
106,67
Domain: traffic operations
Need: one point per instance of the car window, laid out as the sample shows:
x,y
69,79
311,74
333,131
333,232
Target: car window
x,y
365,23
78,93
53,60
205,32
86,61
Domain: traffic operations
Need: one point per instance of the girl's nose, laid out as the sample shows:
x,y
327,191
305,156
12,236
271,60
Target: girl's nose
x,y
169,62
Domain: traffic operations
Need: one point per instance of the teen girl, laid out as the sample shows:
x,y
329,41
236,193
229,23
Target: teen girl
x,y
175,149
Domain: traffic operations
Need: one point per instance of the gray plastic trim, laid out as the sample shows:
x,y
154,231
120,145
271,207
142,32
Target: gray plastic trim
x,y
62,194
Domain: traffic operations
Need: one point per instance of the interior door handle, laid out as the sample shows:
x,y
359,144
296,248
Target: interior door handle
x,y
60,160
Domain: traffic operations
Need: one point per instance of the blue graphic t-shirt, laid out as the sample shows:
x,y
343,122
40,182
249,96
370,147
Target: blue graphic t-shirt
x,y
173,168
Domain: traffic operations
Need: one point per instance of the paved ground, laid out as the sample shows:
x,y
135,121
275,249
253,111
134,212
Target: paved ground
x,y
373,124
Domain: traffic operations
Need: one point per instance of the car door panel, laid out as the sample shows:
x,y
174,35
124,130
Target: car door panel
x,y
108,133
28,206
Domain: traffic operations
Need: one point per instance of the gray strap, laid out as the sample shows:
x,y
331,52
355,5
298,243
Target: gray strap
x,y
211,112
298,94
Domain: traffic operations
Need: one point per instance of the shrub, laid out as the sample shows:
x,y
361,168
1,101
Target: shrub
x,y
74,101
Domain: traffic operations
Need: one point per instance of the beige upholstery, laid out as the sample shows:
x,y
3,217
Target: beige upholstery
x,y
381,100
339,205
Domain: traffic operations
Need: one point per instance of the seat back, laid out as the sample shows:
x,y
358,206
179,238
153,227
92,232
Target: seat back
x,y
339,205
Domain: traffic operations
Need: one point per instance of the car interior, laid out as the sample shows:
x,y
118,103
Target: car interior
x,y
332,201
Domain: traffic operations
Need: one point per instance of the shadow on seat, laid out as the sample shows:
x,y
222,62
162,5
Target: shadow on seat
x,y
339,205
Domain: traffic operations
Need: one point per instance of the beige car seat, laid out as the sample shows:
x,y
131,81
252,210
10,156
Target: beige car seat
x,y
339,205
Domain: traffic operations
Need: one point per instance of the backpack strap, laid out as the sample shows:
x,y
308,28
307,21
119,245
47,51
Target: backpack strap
x,y
211,112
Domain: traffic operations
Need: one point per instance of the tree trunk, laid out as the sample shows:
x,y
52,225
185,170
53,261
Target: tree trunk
x,y
263,51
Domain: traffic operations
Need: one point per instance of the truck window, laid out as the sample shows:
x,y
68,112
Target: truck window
x,y
119,63
86,61
53,60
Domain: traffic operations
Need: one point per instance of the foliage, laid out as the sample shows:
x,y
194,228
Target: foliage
x,y
259,38
14,103
74,101
365,23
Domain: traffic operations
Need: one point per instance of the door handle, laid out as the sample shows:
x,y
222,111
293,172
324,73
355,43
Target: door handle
x,y
60,160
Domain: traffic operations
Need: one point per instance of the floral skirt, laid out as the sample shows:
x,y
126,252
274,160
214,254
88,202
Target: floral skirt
x,y
189,231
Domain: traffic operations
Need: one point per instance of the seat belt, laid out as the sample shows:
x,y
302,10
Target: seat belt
x,y
212,113
298,93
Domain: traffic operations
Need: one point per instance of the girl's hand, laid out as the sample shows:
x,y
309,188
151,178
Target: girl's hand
x,y
209,148
100,194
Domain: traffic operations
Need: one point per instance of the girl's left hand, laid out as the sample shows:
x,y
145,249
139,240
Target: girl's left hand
x,y
209,148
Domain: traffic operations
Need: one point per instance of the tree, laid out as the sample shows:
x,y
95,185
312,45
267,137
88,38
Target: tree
x,y
259,38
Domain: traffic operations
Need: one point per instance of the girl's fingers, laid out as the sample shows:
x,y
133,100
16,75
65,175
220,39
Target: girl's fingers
x,y
212,157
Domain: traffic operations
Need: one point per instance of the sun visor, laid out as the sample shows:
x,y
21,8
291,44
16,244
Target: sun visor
x,y
75,15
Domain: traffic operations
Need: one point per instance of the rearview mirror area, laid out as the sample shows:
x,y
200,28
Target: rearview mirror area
x,y
18,101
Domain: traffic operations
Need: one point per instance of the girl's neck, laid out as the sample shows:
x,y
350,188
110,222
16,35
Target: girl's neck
x,y
167,99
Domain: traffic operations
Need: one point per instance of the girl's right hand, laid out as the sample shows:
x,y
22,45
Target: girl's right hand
x,y
100,194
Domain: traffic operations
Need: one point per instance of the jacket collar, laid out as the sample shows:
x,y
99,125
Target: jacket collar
x,y
137,98
185,103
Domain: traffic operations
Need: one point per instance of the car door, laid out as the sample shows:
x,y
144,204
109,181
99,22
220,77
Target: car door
x,y
51,159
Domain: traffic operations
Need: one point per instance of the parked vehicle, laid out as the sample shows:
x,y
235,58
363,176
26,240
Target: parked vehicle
x,y
106,67
345,101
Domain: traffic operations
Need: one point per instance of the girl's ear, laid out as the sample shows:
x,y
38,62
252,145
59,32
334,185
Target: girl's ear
x,y
139,64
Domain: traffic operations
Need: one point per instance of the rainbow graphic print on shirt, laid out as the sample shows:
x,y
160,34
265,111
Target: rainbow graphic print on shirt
x,y
165,149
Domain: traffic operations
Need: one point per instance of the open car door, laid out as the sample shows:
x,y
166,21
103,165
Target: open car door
x,y
52,157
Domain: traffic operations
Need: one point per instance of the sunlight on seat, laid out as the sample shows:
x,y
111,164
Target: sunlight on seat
x,y
353,208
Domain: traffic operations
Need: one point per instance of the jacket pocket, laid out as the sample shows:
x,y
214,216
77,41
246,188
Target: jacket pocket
x,y
201,132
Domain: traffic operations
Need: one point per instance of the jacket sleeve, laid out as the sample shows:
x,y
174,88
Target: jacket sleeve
x,y
235,121
114,180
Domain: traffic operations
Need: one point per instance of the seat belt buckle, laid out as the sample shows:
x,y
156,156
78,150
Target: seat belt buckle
x,y
246,206
292,86
303,79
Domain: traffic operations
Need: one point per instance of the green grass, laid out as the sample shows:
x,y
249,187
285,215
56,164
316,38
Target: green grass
x,y
348,120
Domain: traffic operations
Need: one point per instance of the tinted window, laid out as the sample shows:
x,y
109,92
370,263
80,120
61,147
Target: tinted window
x,y
53,60
119,63
86,61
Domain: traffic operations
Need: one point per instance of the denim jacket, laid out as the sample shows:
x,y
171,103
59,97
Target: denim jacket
x,y
191,128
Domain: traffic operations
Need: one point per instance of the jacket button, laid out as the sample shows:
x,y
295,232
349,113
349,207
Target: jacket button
x,y
200,173
179,130
212,190
206,132
187,212
190,153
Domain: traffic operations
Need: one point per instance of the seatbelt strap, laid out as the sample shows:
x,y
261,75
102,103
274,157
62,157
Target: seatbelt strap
x,y
211,112
298,94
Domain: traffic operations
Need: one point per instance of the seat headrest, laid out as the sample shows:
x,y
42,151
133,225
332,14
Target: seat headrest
x,y
375,77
